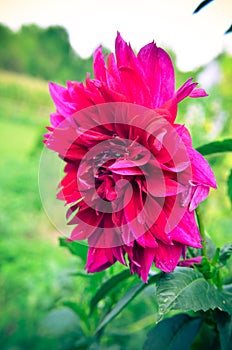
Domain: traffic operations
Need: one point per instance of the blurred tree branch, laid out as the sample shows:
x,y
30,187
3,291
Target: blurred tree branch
x,y
202,5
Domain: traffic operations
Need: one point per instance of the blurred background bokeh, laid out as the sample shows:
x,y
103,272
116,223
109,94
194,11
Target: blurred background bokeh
x,y
39,280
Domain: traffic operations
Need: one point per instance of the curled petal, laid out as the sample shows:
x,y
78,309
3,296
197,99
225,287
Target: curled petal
x,y
198,92
202,172
190,262
200,193
189,89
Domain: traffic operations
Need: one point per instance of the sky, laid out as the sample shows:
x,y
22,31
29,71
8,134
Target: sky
x,y
196,39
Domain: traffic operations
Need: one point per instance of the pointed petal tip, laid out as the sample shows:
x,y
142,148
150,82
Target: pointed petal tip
x,y
198,92
97,50
55,90
144,278
119,37
51,86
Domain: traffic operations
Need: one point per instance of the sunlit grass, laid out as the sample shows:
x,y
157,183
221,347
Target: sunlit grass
x,y
33,268
15,138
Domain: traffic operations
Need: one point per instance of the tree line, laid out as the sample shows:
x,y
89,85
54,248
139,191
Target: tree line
x,y
41,52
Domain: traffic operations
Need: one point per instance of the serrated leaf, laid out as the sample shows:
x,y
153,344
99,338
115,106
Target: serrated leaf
x,y
186,289
224,326
229,185
107,287
128,297
216,147
175,333
75,248
201,5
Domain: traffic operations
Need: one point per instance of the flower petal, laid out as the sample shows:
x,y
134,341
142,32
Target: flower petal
x,y
99,66
64,104
198,92
202,172
167,256
131,74
189,89
99,259
159,73
141,261
190,262
200,193
187,232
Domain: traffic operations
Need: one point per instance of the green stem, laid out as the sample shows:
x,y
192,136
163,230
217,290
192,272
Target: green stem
x,y
202,231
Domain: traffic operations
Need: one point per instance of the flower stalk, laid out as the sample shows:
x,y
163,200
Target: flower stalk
x,y
202,230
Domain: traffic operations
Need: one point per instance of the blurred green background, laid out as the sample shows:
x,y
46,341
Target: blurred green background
x,y
36,275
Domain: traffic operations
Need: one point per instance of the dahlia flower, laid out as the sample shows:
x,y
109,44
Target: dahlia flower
x,y
132,178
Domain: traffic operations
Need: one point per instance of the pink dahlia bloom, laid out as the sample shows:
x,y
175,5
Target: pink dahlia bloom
x,y
132,179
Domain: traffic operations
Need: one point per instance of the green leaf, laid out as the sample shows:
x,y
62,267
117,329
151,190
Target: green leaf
x,y
107,287
224,325
79,311
175,333
75,248
59,322
228,288
216,147
206,268
133,327
225,253
94,346
207,337
210,248
128,297
84,343
186,289
229,186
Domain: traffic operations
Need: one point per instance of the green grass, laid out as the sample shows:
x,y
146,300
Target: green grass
x,y
17,137
34,270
